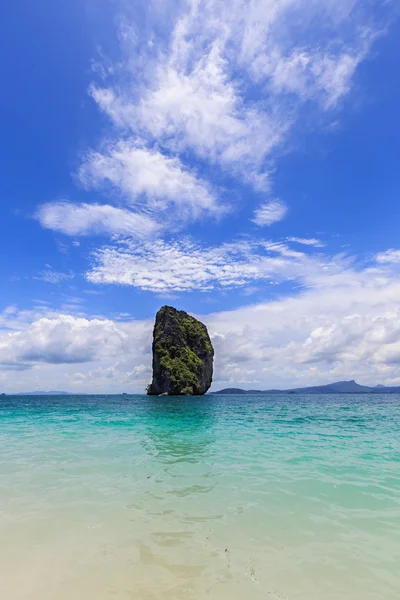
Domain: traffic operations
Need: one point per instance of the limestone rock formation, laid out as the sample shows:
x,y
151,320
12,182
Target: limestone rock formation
x,y
182,355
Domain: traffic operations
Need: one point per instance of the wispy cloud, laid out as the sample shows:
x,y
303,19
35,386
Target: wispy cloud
x,y
306,241
51,276
186,266
215,93
229,80
92,219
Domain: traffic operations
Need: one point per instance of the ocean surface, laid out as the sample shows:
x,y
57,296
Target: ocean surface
x,y
131,497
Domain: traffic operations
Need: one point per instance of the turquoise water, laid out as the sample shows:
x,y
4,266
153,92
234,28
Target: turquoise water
x,y
190,498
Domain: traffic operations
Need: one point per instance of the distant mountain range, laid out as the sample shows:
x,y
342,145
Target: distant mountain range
x,y
340,387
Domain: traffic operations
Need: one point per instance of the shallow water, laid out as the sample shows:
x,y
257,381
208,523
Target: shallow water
x,y
281,497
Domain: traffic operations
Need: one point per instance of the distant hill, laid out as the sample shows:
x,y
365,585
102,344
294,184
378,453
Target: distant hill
x,y
340,387
51,393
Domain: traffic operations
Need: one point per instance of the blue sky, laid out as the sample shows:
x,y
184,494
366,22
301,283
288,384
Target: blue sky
x,y
239,162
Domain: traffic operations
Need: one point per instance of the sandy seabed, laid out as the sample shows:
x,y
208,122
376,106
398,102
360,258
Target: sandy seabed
x,y
195,499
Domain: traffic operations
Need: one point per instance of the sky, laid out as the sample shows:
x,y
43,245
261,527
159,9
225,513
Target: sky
x,y
239,161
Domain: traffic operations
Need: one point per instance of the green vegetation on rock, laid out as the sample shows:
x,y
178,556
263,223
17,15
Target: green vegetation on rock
x,y
182,354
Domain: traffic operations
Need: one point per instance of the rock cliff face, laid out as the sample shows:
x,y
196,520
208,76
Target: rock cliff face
x,y
182,355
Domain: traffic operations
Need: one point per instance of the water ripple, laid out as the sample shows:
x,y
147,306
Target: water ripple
x,y
215,497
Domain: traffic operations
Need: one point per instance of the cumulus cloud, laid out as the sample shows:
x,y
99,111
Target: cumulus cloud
x,y
64,339
270,213
345,330
316,337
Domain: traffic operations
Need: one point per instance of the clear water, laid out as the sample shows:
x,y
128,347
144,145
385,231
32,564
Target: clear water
x,y
191,498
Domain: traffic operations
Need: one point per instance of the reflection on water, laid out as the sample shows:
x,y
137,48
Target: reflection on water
x,y
180,429
141,498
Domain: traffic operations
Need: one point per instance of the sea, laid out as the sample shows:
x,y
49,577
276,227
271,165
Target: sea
x,y
214,497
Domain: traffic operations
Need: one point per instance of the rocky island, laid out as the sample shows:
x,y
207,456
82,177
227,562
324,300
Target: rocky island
x,y
182,355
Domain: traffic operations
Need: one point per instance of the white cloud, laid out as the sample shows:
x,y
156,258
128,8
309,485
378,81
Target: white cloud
x,y
90,219
51,276
344,328
65,339
184,266
351,330
168,267
390,256
156,191
199,109
325,77
270,213
306,241
149,181
219,89
61,351
228,81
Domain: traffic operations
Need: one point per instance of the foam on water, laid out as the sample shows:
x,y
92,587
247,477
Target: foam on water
x,y
194,498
